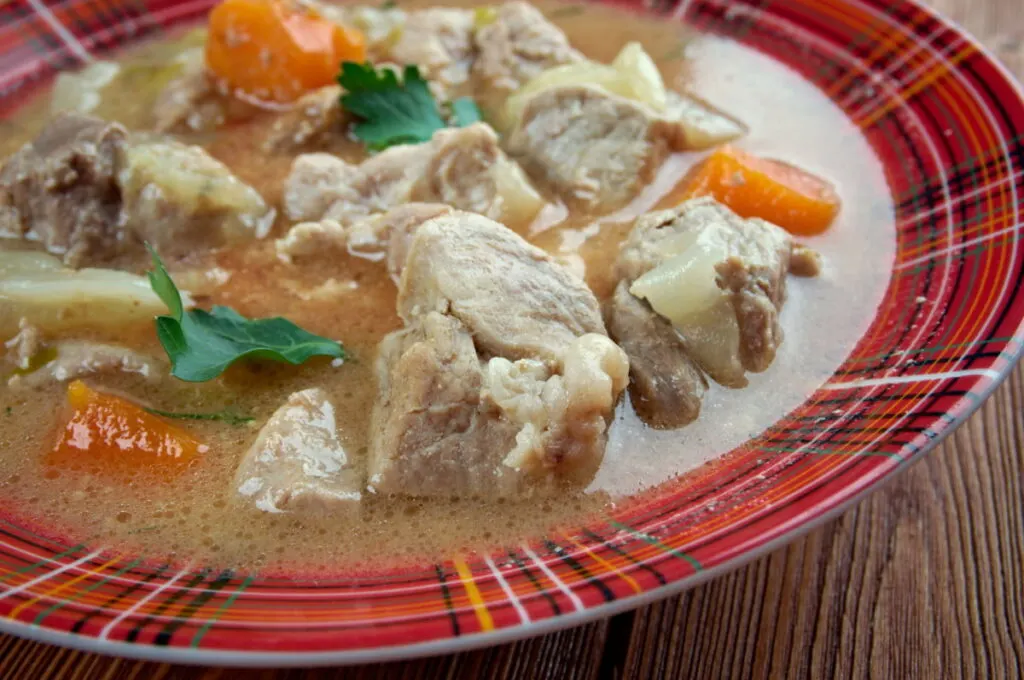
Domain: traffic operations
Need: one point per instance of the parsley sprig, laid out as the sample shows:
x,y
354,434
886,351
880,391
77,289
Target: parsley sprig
x,y
201,345
393,111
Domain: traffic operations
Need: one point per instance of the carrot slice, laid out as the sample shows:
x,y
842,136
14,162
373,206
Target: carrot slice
x,y
277,50
111,434
781,193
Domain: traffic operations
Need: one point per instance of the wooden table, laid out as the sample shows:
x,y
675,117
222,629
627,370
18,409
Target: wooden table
x,y
924,579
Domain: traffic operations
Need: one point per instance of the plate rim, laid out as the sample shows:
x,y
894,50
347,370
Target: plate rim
x,y
532,628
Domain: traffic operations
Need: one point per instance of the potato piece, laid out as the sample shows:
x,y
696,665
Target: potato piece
x,y
179,197
704,127
683,289
81,91
38,288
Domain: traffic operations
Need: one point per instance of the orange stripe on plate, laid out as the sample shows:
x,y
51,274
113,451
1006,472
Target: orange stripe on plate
x,y
67,584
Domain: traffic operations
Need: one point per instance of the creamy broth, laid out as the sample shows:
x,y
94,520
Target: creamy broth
x,y
194,518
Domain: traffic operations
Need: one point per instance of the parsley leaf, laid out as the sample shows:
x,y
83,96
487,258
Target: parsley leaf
x,y
201,345
396,112
465,112
393,112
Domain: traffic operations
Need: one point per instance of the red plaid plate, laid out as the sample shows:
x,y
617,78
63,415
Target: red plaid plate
x,y
948,124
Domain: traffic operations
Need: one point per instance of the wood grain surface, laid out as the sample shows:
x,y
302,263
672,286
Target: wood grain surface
x,y
925,579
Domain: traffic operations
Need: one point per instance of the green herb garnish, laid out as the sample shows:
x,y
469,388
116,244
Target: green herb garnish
x,y
223,416
396,112
201,345
465,112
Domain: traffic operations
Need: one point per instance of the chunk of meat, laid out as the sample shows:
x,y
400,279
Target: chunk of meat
x,y
311,122
74,359
503,381
315,183
666,385
516,46
179,199
25,345
431,433
297,462
92,195
720,280
440,41
190,102
462,167
61,189
518,303
385,236
594,149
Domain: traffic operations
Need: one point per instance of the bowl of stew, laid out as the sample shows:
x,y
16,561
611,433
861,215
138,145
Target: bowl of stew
x,y
337,332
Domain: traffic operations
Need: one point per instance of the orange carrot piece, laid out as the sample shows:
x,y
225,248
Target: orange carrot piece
x,y
277,50
783,194
111,434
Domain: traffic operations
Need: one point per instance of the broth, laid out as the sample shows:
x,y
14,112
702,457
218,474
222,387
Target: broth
x,y
192,517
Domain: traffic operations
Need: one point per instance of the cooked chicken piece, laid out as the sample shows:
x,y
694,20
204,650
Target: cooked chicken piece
x,y
592,148
311,122
440,41
503,380
719,279
666,386
76,359
516,46
516,301
179,199
297,462
90,194
461,167
61,189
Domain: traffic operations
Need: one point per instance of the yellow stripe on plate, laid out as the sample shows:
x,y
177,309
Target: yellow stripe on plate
x,y
479,606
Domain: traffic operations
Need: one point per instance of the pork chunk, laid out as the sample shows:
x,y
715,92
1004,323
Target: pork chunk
x,y
462,167
440,41
516,46
62,190
594,149
385,236
518,303
432,435
311,122
502,382
666,386
297,463
718,278
190,101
